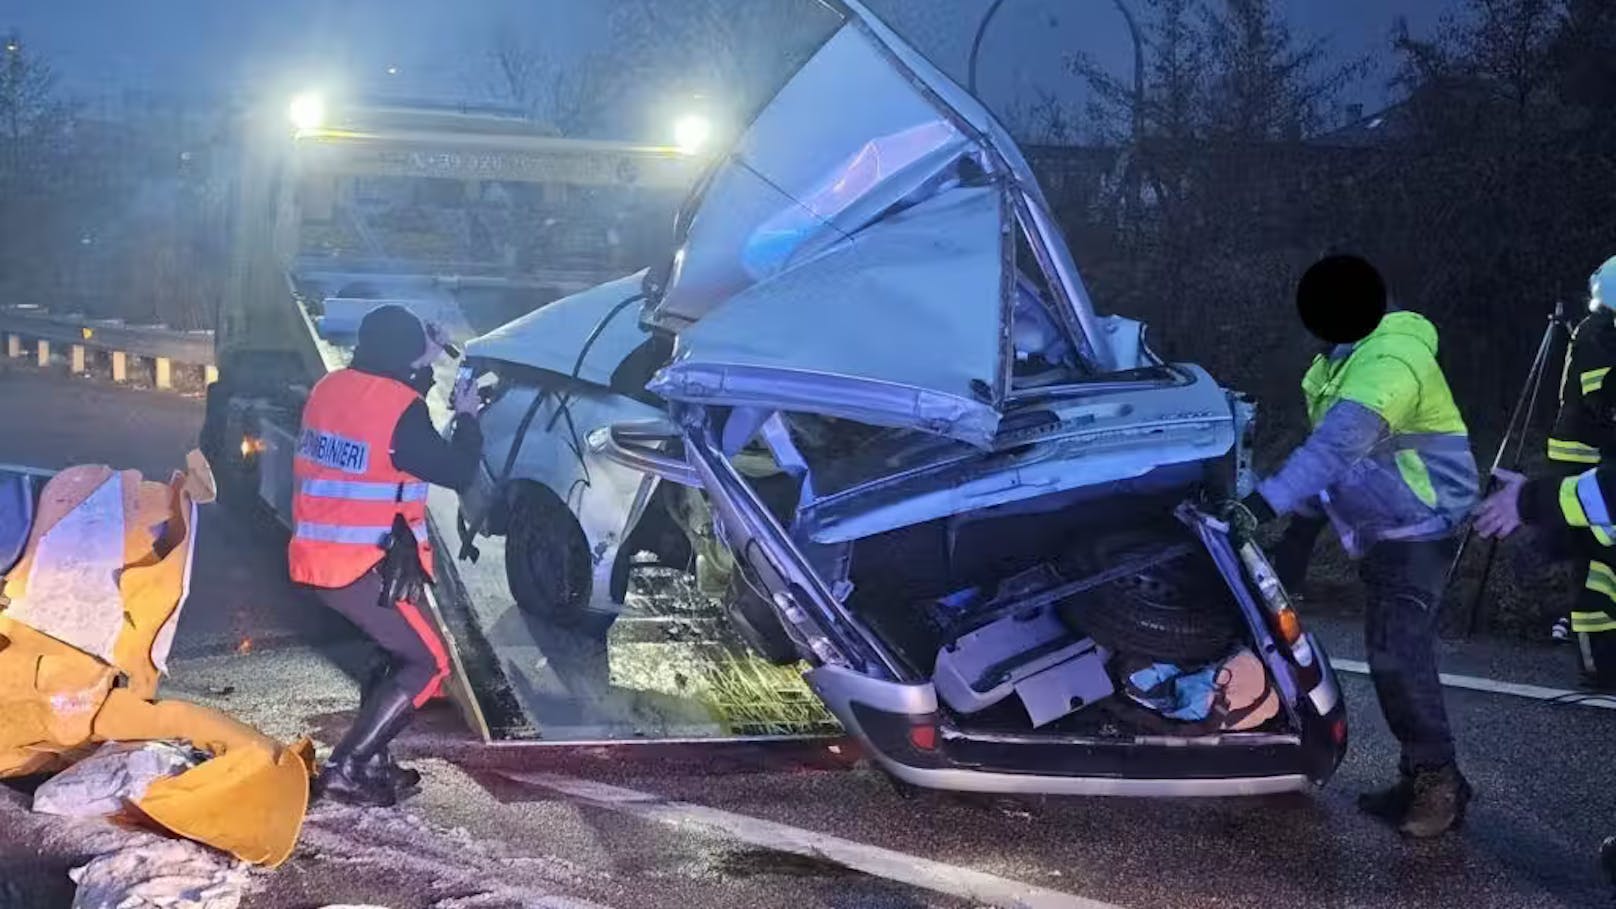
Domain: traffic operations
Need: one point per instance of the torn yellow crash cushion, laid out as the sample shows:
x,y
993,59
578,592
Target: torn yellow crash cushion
x,y
57,698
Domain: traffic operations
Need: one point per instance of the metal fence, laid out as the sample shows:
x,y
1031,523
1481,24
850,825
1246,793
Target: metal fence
x,y
37,334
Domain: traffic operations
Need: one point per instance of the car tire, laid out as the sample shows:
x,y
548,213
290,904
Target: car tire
x,y
1163,613
548,564
754,620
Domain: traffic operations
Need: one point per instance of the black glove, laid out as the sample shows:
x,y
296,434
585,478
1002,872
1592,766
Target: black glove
x,y
1246,516
1294,551
403,576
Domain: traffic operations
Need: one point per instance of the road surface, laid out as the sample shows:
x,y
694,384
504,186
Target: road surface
x,y
809,824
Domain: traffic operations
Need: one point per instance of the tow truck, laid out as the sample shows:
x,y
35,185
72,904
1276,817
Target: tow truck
x,y
470,219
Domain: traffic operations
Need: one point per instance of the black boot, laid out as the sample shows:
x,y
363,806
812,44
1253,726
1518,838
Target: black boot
x,y
1438,805
381,717
1391,803
402,780
1607,858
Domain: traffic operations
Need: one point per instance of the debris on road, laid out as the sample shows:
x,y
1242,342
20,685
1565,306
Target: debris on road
x,y
160,874
95,599
116,773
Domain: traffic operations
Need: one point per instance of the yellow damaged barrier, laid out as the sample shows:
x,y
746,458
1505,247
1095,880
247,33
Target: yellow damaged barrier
x,y
86,622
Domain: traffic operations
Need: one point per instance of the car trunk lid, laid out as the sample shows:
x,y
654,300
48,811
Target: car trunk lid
x,y
897,325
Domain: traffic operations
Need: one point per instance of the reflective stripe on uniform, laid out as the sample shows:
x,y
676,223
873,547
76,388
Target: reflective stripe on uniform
x,y
1593,500
1572,452
1571,503
1592,379
1601,579
361,491
1592,622
355,535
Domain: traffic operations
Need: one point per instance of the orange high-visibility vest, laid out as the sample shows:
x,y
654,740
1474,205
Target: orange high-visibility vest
x,y
347,490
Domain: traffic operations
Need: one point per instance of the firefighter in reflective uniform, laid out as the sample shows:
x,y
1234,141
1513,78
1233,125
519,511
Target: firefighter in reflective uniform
x,y
1584,502
365,456
1585,434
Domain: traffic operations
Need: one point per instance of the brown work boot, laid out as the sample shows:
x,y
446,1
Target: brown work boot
x,y
1438,805
1391,803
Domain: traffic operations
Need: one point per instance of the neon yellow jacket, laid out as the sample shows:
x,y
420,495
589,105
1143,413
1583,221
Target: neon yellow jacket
x,y
1389,456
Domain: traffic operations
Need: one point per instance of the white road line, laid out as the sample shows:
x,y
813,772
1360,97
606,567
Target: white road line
x,y
1476,683
952,880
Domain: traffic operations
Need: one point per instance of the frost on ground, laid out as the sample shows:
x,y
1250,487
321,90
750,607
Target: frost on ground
x,y
163,874
465,872
121,867
118,867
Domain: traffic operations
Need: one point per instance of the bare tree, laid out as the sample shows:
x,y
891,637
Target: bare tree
x,y
733,54
540,83
1498,57
31,116
1045,120
1265,84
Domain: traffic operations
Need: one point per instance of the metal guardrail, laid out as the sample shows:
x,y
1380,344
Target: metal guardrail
x,y
161,345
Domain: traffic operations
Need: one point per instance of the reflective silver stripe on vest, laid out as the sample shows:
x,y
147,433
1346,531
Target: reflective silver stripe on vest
x,y
357,536
361,491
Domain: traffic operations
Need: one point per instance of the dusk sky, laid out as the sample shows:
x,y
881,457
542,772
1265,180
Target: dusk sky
x,y
213,47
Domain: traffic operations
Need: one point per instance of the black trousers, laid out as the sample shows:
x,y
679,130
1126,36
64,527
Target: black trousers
x,y
1405,583
420,661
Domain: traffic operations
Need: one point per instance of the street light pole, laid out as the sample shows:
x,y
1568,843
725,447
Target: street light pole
x,y
1133,31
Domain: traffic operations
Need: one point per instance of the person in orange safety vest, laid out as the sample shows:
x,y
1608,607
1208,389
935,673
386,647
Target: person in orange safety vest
x,y
365,456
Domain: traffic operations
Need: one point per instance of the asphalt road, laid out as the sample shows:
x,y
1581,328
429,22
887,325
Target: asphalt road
x,y
810,824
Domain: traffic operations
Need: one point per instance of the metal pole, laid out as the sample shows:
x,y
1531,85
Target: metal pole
x,y
976,42
1133,30
1525,406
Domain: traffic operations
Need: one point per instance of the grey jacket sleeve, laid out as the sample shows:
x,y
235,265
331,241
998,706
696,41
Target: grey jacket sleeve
x,y
1343,438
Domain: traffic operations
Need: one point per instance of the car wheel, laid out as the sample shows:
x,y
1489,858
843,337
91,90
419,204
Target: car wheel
x,y
754,620
548,565
1176,612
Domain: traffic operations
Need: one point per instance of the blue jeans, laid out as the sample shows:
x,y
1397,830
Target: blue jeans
x,y
1405,585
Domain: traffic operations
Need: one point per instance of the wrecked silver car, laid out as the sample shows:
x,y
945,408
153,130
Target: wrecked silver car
x,y
976,517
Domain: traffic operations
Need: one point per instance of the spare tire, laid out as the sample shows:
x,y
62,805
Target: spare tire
x,y
1179,611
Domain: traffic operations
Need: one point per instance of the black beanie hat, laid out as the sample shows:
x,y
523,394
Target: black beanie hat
x,y
1341,299
390,339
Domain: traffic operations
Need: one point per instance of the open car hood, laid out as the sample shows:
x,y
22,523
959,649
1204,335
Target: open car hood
x,y
551,337
866,125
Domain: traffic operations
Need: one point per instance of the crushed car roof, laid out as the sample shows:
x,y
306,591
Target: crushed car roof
x,y
554,336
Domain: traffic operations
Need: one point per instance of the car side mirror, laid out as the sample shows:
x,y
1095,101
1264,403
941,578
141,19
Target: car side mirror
x,y
655,447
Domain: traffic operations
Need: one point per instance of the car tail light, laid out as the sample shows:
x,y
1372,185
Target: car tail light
x,y
1288,626
923,737
1282,618
252,447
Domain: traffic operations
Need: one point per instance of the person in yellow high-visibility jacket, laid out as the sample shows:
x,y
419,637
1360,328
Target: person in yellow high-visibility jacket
x,y
1388,465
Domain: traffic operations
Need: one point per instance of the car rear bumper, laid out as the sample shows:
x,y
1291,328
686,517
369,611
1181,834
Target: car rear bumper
x,y
906,733
991,782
